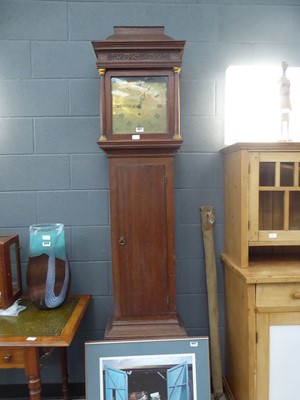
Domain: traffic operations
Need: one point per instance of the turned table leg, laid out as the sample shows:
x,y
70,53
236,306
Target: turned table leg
x,y
64,372
32,371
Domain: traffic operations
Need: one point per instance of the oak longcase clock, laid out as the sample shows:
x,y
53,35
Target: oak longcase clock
x,y
140,132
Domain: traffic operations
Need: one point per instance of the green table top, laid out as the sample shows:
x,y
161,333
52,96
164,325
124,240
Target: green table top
x,y
36,322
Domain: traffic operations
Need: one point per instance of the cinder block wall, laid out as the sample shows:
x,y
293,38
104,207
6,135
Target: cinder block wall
x,y
51,169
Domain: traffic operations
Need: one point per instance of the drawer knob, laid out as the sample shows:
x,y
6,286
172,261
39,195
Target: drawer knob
x,y
7,358
296,295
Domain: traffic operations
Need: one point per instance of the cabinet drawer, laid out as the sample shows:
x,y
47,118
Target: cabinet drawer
x,y
11,357
278,295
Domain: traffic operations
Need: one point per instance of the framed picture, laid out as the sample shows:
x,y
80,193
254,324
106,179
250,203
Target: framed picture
x,y
166,369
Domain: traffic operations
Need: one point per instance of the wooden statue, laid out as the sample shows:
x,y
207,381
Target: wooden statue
x,y
285,102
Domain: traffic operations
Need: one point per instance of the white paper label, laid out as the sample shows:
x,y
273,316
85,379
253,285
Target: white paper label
x,y
139,129
272,235
46,244
31,338
46,237
193,344
136,137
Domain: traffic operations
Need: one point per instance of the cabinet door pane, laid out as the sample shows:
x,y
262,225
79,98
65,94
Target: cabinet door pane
x,y
294,214
286,174
271,207
267,173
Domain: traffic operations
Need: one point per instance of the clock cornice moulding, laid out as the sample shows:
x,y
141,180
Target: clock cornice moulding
x,y
138,47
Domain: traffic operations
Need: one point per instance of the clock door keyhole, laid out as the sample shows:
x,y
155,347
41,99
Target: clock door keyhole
x,y
122,241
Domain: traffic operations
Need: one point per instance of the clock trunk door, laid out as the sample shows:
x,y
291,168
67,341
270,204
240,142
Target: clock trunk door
x,y
142,267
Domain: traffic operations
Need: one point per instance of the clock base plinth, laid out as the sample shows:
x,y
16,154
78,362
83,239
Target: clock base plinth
x,y
143,328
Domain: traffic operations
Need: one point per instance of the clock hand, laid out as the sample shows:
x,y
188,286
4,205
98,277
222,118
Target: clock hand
x,y
142,98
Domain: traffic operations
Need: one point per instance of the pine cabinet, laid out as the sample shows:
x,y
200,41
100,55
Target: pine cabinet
x,y
262,267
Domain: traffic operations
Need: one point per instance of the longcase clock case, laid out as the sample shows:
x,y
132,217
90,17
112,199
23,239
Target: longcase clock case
x,y
141,178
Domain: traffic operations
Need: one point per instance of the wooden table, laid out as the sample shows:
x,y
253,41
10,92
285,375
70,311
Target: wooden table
x,y
26,339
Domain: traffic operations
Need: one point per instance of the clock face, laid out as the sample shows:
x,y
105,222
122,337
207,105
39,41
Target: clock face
x,y
139,104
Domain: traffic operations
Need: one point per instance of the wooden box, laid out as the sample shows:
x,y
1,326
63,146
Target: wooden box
x,y
10,270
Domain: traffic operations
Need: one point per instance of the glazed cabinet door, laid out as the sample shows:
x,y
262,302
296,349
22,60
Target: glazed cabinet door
x,y
142,244
274,209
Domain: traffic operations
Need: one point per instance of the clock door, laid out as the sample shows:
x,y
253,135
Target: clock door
x,y
141,245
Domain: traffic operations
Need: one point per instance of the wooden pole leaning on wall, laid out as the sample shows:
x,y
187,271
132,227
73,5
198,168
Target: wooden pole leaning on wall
x,y
208,220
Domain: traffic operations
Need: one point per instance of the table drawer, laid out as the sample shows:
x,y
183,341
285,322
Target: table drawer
x,y
278,295
11,357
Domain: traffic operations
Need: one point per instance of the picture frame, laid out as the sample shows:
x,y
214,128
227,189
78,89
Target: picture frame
x,y
163,369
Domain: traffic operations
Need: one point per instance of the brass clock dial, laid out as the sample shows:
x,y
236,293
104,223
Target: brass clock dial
x,y
139,104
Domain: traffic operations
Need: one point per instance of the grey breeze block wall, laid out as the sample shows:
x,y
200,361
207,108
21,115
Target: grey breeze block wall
x,y
51,169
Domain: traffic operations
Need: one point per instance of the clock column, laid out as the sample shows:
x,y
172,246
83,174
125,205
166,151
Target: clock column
x,y
141,178
101,72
